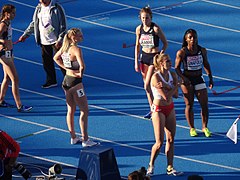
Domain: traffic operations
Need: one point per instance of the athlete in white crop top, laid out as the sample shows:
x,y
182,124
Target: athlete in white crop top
x,y
164,86
168,83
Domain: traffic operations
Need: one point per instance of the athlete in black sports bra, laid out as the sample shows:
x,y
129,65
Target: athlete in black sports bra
x,y
193,57
8,13
148,35
6,39
70,58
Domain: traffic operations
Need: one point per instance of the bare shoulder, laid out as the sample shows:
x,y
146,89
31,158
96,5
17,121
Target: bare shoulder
x,y
138,29
180,52
156,26
155,79
2,26
75,47
74,50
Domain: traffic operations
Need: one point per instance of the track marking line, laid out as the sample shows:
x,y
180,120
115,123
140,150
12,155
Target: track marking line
x,y
221,4
35,133
179,18
113,142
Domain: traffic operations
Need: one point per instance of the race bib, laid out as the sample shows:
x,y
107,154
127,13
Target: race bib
x,y
66,60
147,41
153,108
80,93
194,62
8,54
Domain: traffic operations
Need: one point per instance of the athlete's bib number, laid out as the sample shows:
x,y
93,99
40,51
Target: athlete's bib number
x,y
80,93
66,60
153,108
147,41
8,54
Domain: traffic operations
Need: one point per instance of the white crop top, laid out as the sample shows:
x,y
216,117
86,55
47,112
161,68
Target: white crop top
x,y
155,92
69,64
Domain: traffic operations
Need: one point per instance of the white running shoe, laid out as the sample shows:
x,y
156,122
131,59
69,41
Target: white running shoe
x,y
76,140
174,172
89,143
150,170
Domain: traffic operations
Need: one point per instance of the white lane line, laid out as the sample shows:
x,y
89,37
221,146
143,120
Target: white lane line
x,y
221,4
103,13
113,142
179,18
32,134
174,5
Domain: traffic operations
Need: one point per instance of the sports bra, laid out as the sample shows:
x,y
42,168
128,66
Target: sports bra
x,y
193,62
155,92
148,39
73,65
7,35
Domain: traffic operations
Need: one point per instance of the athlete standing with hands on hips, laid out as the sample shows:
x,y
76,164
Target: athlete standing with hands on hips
x,y
193,57
70,58
148,35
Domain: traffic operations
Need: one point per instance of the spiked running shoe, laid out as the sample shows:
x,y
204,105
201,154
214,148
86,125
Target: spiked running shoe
x,y
4,104
24,108
76,140
49,85
173,172
89,143
150,170
206,132
193,132
148,115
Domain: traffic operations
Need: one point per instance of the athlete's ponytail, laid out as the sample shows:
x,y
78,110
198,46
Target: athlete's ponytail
x,y
67,41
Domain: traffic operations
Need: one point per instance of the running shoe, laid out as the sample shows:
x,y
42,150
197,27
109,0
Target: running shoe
x,y
174,172
49,85
24,108
206,132
150,170
76,140
193,132
148,115
88,143
6,105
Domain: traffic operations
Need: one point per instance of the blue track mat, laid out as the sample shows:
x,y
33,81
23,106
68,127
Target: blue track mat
x,y
117,100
